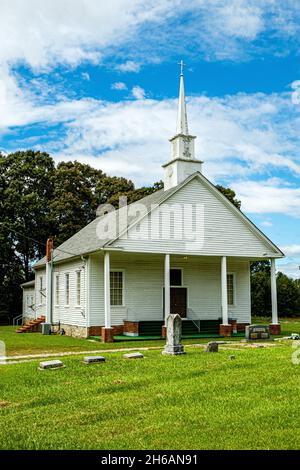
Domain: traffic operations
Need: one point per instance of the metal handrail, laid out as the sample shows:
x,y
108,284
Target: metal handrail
x,y
17,319
196,323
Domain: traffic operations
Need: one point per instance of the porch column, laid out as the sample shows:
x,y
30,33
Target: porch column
x,y
225,328
275,326
167,287
107,331
48,292
49,276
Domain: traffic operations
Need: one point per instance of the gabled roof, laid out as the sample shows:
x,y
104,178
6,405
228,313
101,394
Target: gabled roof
x,y
86,241
253,228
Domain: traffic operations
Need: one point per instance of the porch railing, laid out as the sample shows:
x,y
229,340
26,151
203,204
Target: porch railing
x,y
17,319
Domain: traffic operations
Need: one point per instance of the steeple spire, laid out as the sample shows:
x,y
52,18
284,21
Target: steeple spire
x,y
183,162
182,123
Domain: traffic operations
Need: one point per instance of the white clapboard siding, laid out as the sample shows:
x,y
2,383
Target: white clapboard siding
x,y
143,287
71,314
225,233
40,301
28,300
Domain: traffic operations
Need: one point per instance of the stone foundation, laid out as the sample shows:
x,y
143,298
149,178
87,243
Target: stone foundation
x,y
75,330
275,329
27,319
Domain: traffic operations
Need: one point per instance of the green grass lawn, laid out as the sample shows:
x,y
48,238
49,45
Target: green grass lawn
x,y
195,401
35,343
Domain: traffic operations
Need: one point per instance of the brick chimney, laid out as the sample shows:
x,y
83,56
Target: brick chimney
x,y
49,249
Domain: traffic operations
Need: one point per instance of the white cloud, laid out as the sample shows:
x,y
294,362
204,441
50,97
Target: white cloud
x,y
240,137
291,250
266,223
264,197
290,268
129,66
44,34
119,86
138,92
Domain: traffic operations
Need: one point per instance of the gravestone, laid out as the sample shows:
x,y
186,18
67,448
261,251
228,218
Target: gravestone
x,y
255,332
2,353
93,359
51,365
173,345
212,346
136,355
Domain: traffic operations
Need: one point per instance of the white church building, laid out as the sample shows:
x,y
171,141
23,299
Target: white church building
x,y
184,249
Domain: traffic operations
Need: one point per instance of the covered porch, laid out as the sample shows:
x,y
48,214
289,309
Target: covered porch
x,y
211,294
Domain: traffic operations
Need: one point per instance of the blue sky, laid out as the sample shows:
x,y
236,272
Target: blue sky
x,y
98,82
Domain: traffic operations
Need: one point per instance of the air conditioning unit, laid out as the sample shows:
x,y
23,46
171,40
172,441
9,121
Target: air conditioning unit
x,y
46,328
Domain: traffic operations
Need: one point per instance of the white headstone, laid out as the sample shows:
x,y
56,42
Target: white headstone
x,y
173,345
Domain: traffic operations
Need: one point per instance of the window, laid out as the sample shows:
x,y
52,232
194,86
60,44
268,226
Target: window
x,y
175,277
57,290
78,287
230,289
116,288
41,290
67,289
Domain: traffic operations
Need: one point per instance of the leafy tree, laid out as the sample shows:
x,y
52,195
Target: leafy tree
x,y
288,295
74,199
134,195
261,293
230,194
288,292
110,188
261,266
25,192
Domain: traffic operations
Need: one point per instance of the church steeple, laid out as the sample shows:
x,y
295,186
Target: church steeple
x,y
183,162
182,123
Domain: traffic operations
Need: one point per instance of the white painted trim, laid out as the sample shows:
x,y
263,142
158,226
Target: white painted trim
x,y
107,313
224,297
167,287
274,293
87,291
